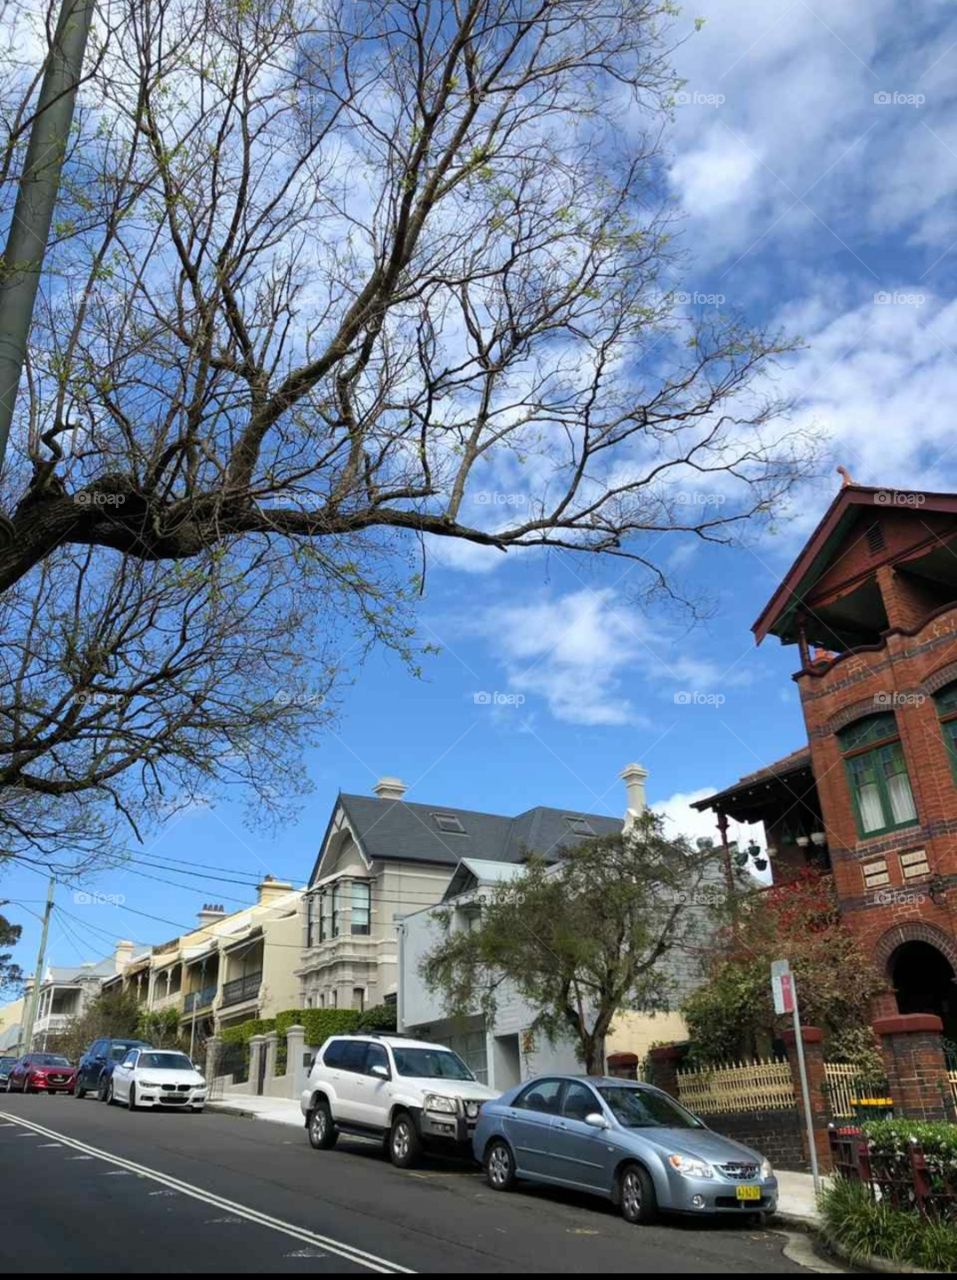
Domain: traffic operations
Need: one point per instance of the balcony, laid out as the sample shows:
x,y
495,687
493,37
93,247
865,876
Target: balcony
x,y
199,999
240,989
53,1022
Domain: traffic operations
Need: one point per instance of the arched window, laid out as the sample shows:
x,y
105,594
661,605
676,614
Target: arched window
x,y
877,775
946,702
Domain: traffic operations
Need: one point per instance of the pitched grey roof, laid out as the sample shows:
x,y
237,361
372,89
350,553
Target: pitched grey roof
x,y
65,975
398,830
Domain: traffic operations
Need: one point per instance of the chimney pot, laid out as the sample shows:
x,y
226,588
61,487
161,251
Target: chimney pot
x,y
390,788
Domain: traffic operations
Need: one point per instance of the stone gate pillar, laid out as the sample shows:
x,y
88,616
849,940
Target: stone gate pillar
x,y
915,1064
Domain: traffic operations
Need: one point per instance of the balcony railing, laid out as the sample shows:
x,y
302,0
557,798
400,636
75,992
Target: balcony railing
x,y
199,999
246,988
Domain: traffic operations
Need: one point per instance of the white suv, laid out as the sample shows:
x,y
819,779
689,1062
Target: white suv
x,y
407,1093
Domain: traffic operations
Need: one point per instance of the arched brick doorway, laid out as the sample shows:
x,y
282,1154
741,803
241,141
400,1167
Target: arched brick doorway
x,y
920,963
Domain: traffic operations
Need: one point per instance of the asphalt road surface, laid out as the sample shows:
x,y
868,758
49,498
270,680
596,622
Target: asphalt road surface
x,y
89,1188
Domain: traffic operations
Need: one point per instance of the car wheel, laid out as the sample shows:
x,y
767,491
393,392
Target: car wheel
x,y
101,1088
322,1132
636,1195
110,1095
78,1092
404,1144
499,1166
758,1219
131,1098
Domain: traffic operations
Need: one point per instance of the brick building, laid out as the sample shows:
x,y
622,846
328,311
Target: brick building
x,y
870,605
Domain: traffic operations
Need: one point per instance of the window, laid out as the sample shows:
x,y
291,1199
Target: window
x,y
946,702
579,1102
877,775
361,908
914,863
312,913
336,909
579,826
376,1056
359,998
449,823
542,1095
333,1056
430,1064
638,1108
325,906
130,1059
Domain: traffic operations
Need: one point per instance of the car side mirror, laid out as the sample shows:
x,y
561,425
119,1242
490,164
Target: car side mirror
x,y
380,1071
596,1120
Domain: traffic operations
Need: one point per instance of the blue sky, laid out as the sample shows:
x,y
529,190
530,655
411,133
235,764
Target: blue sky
x,y
814,159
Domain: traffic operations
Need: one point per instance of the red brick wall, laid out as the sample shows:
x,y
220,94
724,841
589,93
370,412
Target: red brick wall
x,y
900,676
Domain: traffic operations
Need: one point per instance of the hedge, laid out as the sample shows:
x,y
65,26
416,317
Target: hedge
x,y
244,1032
379,1017
937,1138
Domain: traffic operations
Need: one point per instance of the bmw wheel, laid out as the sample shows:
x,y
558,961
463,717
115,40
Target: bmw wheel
x,y
636,1195
322,1132
499,1165
102,1085
131,1098
404,1143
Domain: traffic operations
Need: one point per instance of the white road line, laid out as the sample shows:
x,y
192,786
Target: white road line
x,y
46,1145
371,1261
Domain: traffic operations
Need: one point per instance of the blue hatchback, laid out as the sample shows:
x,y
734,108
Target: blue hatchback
x,y
629,1142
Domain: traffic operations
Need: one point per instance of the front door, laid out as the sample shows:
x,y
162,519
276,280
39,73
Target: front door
x,y
581,1154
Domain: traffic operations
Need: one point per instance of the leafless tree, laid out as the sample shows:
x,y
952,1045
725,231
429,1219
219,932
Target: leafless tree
x,y
131,689
334,269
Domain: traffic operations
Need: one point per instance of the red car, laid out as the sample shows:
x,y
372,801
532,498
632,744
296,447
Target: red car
x,y
41,1073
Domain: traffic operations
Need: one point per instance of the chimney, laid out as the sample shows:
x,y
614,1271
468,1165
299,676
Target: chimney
x,y
124,954
211,912
634,776
269,889
389,788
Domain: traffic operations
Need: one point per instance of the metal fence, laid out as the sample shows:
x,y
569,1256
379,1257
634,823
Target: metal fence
x,y
763,1085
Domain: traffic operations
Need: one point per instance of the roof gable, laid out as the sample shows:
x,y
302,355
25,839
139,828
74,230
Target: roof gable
x,y
852,503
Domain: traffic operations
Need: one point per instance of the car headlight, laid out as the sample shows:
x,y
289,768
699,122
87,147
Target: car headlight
x,y
438,1102
691,1168
149,1084
766,1170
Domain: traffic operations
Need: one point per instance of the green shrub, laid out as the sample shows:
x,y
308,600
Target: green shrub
x,y
379,1017
864,1226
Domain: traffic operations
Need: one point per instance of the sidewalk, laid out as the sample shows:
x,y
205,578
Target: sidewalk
x,y
796,1190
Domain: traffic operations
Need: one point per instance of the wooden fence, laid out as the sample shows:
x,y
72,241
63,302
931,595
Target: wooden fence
x,y
764,1085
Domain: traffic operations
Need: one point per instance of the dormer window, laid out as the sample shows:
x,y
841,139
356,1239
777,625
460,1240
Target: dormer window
x,y
578,825
449,824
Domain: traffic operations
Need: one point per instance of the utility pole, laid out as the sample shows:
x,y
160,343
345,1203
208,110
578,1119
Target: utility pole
x,y
26,1037
36,199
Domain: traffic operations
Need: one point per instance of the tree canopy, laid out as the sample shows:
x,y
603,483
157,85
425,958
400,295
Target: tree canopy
x,y
584,938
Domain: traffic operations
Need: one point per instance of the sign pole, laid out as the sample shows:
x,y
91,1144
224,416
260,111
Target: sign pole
x,y
784,991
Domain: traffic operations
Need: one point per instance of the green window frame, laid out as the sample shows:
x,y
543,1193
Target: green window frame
x,y
945,701
877,775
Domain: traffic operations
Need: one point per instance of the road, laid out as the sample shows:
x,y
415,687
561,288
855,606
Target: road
x,y
91,1188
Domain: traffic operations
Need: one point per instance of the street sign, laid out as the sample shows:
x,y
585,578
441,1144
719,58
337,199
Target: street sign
x,y
782,987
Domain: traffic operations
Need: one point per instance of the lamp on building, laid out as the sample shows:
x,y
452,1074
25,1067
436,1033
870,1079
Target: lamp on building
x,y
803,841
819,838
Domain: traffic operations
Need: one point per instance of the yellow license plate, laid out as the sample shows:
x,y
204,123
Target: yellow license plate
x,y
748,1193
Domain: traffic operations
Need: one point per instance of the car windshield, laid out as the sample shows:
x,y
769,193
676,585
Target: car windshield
x,y
434,1064
49,1060
642,1109
165,1061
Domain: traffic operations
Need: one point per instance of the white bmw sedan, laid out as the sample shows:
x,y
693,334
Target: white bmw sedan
x,y
157,1078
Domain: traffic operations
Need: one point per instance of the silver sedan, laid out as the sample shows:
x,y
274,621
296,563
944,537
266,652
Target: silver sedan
x,y
629,1142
